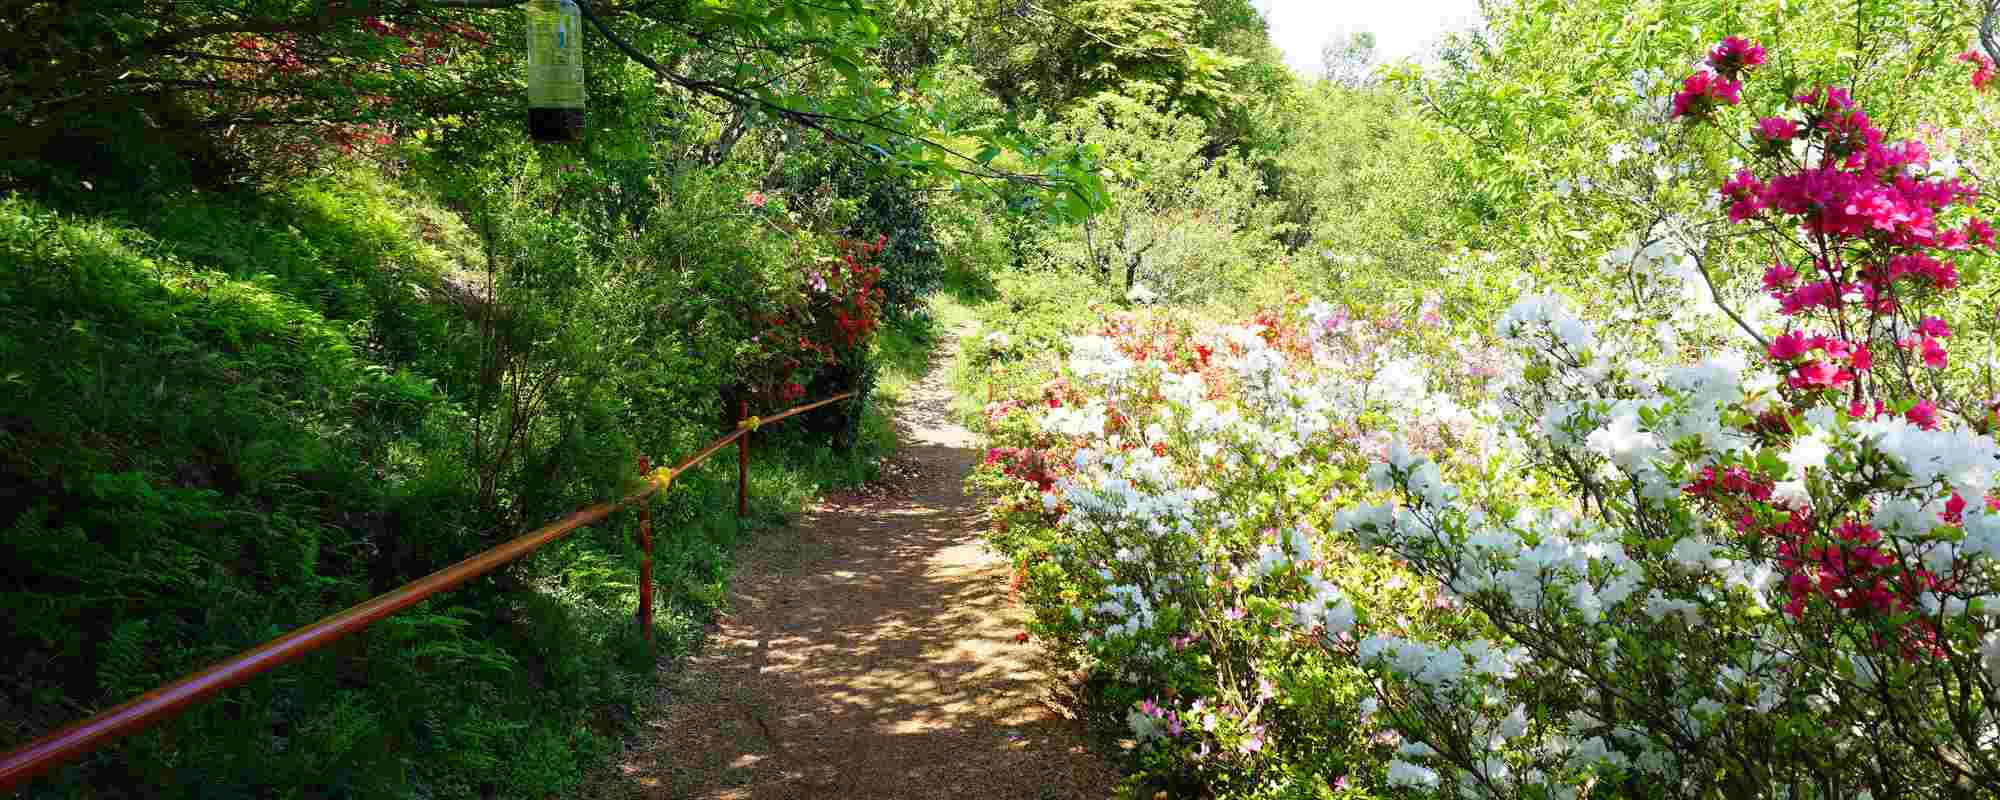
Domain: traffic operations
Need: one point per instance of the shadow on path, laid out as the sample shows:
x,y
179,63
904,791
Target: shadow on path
x,y
870,653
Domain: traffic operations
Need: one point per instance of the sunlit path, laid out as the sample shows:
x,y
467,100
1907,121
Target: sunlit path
x,y
870,652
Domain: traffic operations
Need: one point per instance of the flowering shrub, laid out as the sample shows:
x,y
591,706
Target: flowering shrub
x,y
1315,551
829,322
1164,497
1763,553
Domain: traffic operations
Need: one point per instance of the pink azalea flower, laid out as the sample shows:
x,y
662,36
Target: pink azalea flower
x,y
1778,277
1735,54
1776,129
1336,321
1954,510
1788,346
1932,326
1923,415
1255,742
1819,375
1977,230
1982,68
1746,194
1819,294
1831,98
1701,92
1429,312
1933,354
1955,240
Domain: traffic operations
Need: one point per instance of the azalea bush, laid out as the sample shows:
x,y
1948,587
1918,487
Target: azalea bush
x,y
826,323
1634,552
1165,495
1772,575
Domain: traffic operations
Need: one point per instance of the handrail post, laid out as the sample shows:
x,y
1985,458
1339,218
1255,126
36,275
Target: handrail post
x,y
743,462
646,557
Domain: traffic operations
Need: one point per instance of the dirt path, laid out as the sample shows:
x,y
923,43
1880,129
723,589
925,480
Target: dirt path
x,y
870,652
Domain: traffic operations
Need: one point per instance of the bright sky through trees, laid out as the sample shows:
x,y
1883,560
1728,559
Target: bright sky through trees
x,y
1402,28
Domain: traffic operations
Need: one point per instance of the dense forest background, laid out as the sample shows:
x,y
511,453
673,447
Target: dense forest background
x,y
292,311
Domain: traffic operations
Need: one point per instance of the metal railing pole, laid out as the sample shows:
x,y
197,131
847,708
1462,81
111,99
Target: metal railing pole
x,y
646,557
743,464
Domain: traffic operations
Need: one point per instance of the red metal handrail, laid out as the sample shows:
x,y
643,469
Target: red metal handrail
x,y
73,741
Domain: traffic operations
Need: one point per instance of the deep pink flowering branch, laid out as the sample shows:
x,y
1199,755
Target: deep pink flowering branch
x,y
1872,220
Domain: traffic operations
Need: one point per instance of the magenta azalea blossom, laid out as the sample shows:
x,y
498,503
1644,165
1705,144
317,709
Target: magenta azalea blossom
x,y
1788,346
1776,129
1735,54
1831,98
1923,415
1745,194
1934,356
1702,91
1779,278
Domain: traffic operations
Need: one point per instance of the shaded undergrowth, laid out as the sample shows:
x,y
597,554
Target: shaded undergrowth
x,y
227,415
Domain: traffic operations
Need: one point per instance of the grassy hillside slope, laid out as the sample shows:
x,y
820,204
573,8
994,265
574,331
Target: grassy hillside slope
x,y
226,415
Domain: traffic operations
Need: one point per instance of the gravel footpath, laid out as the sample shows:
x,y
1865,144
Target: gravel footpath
x,y
870,652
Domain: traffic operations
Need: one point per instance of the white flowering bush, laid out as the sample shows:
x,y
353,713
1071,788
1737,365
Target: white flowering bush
x,y
1320,553
1763,574
1715,610
1166,497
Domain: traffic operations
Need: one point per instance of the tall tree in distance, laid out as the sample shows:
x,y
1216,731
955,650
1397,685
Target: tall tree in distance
x,y
1348,57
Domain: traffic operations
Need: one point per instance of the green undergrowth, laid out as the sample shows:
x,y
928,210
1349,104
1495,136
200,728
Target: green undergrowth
x,y
1033,313
223,416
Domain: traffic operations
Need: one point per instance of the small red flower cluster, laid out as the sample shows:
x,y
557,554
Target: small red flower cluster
x,y
1024,464
1850,569
1180,343
831,321
349,137
858,300
426,47
997,411
281,55
1982,68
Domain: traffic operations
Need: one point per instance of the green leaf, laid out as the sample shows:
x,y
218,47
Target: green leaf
x,y
846,68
